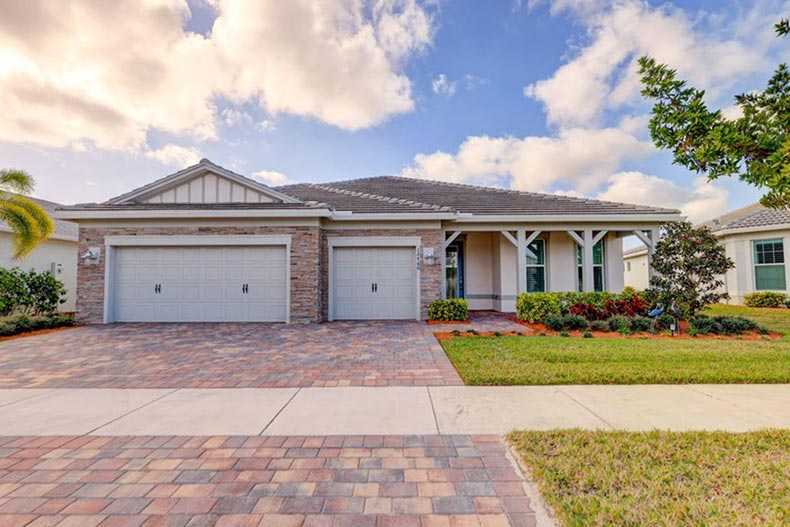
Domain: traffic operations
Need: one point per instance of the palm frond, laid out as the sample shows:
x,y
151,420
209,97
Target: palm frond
x,y
29,222
16,180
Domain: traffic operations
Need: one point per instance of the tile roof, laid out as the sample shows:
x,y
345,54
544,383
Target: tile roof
x,y
436,195
750,217
66,229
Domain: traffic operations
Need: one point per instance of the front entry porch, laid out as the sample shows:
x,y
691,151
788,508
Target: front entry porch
x,y
489,267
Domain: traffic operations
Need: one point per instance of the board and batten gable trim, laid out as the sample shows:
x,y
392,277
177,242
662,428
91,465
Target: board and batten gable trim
x,y
372,241
197,240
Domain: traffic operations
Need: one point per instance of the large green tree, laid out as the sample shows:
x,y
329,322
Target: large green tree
x,y
754,147
29,222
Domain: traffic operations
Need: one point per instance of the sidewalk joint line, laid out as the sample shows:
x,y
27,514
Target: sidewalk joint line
x,y
299,389
45,392
758,413
433,409
569,396
130,412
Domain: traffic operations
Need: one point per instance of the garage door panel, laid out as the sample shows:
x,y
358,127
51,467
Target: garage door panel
x,y
200,284
392,269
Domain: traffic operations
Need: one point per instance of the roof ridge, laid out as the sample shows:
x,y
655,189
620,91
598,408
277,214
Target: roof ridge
x,y
379,197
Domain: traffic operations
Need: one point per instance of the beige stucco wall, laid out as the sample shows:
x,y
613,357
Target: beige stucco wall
x,y
638,276
479,280
51,251
739,247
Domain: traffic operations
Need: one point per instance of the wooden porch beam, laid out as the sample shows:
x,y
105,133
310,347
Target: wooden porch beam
x,y
510,237
451,238
578,239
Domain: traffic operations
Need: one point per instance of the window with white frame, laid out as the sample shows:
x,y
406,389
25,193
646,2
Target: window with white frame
x,y
536,266
769,265
598,258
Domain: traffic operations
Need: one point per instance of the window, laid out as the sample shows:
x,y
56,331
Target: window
x,y
536,267
769,265
628,266
598,253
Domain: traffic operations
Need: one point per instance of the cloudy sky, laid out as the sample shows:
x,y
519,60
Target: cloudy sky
x,y
542,95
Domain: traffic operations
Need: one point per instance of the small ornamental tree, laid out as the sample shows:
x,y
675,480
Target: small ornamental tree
x,y
689,262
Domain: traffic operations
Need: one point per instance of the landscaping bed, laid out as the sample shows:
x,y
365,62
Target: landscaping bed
x,y
521,360
714,479
12,327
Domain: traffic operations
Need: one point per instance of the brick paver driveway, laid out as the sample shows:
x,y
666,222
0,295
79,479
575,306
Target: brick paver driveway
x,y
422,481
228,355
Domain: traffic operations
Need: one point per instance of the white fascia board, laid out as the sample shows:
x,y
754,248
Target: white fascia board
x,y
59,237
392,216
193,213
747,230
570,218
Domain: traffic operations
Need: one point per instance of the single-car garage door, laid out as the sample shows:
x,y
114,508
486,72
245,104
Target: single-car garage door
x,y
373,283
200,284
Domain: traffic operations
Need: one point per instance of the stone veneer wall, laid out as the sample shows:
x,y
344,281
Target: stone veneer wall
x,y
305,274
430,275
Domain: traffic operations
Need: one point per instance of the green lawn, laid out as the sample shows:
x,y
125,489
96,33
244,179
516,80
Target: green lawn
x,y
711,479
564,360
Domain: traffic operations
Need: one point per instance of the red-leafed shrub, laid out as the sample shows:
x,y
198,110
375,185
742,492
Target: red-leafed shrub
x,y
632,306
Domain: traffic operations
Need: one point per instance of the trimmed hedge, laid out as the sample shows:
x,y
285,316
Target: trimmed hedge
x,y
15,325
536,307
722,325
29,292
765,299
448,310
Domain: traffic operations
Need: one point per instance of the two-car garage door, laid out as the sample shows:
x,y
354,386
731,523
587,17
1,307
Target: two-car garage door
x,y
200,284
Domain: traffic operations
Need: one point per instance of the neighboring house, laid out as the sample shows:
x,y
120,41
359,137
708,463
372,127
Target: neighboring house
x,y
757,240
206,244
636,272
58,254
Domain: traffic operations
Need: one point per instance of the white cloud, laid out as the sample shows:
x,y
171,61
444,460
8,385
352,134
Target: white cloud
x,y
700,201
603,75
108,73
270,177
233,117
441,86
582,158
175,155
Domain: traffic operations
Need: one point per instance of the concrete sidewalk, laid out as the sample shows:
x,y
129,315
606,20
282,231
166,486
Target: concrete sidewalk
x,y
391,410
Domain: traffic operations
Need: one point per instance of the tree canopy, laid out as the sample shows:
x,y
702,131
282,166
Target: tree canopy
x,y
754,147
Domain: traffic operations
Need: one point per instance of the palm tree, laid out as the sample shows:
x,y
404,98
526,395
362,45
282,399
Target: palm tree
x,y
29,222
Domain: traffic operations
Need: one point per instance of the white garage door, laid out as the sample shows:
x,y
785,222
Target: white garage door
x,y
200,284
373,283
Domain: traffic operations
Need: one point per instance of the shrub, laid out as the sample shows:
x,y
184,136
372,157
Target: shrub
x,y
17,324
765,299
599,325
447,310
619,323
535,307
641,324
722,325
554,322
29,293
587,335
665,321
575,322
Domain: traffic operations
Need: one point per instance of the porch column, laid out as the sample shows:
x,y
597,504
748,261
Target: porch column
x,y
521,259
587,261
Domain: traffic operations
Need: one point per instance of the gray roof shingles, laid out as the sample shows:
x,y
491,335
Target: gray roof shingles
x,y
750,217
459,198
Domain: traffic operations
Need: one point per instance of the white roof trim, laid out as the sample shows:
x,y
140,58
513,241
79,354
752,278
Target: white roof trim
x,y
747,230
203,166
569,218
109,214
60,237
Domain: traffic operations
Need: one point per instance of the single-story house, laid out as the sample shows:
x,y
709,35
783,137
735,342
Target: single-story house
x,y
754,237
636,270
58,254
207,244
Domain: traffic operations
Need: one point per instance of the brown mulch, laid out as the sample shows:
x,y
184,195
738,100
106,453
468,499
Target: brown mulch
x,y
39,332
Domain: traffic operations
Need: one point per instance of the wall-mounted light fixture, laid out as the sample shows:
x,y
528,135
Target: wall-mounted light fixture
x,y
428,256
92,255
